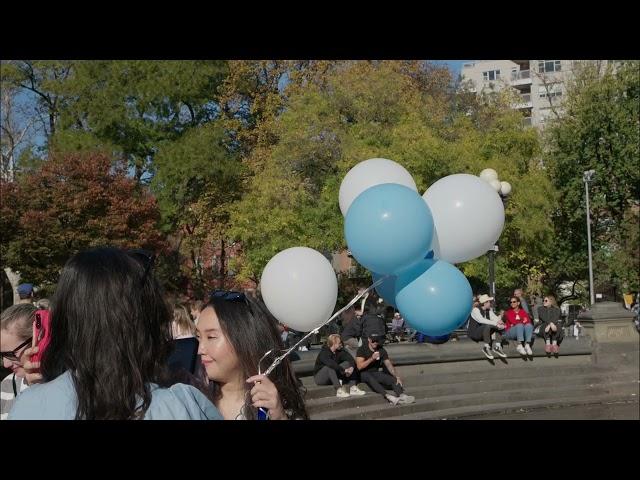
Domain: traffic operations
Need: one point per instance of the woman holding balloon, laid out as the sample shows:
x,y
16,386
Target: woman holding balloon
x,y
234,332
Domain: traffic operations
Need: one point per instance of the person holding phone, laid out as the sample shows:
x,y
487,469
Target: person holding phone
x,y
234,332
109,344
15,340
370,358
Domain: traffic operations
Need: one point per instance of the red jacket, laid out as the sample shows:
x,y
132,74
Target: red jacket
x,y
511,318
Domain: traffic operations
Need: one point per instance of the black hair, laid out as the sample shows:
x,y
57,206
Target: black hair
x,y
111,330
252,331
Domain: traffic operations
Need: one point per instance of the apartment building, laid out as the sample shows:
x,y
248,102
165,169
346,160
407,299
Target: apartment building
x,y
540,84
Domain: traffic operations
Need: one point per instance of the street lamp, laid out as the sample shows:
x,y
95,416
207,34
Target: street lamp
x,y
504,193
586,178
503,189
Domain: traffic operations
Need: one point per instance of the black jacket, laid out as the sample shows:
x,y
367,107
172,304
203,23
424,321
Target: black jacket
x,y
372,323
333,360
549,314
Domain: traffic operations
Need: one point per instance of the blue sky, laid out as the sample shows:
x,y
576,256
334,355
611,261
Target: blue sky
x,y
454,65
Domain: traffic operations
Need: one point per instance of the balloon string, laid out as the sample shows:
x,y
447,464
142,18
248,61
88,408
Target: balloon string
x,y
350,304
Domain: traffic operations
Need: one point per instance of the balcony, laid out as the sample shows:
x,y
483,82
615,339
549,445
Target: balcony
x,y
524,102
523,77
527,122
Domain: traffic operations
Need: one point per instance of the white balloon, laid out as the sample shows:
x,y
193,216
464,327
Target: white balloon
x,y
300,288
496,185
505,188
488,174
370,173
468,217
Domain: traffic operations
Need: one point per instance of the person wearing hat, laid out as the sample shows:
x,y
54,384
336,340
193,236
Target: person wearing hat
x,y
483,324
25,292
370,358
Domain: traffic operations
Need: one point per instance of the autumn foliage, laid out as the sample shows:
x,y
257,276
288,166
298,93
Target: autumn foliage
x,y
72,202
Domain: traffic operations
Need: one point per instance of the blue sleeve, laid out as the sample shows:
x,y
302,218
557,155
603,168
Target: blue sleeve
x,y
182,402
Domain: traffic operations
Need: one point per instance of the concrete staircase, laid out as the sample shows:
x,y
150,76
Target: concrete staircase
x,y
454,381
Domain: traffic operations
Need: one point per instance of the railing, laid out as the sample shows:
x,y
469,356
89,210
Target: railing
x,y
527,122
521,75
525,98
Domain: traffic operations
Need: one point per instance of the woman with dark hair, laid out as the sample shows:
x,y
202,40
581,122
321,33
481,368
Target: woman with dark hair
x,y
110,341
235,332
518,326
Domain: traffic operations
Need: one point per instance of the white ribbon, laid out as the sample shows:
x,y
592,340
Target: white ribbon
x,y
279,359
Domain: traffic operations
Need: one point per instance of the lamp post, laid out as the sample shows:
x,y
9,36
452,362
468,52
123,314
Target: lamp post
x,y
586,178
492,253
503,189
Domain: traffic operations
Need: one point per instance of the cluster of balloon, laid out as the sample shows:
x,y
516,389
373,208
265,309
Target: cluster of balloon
x,y
490,176
409,242
412,242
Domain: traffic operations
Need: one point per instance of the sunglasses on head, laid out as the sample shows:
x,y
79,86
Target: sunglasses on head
x,y
229,295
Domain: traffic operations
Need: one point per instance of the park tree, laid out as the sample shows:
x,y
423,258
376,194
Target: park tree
x,y
73,202
598,130
393,110
134,106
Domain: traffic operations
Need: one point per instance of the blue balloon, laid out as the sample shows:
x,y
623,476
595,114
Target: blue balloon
x,y
387,289
388,227
438,340
435,301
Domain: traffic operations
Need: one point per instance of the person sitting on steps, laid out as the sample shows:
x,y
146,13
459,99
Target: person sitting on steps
x,y
483,324
333,364
371,357
518,327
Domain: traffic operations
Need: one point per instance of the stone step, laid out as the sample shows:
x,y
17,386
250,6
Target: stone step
x,y
331,402
478,400
464,351
602,410
420,375
536,409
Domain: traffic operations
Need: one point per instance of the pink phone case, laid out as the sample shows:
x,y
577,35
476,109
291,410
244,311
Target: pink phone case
x,y
41,333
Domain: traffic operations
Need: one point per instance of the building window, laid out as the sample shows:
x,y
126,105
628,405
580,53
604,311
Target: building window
x,y
491,75
546,66
553,90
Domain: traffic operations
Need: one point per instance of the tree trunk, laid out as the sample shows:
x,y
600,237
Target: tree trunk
x,y
223,271
14,280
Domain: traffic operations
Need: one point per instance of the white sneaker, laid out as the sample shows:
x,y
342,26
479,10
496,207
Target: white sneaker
x,y
521,350
342,393
406,399
356,391
527,348
392,398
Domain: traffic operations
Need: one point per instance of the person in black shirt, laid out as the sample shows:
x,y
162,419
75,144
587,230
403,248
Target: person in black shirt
x,y
334,364
370,358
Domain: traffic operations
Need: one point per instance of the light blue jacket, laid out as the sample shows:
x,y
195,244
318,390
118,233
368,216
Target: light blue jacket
x,y
57,400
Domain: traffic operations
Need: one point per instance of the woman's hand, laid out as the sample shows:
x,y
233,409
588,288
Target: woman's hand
x,y
31,369
264,394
